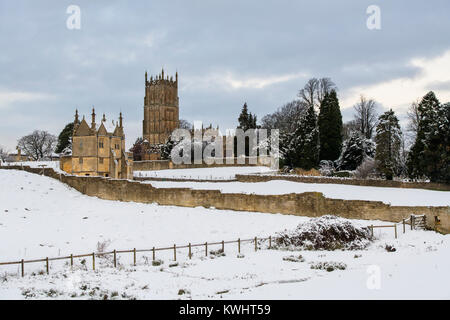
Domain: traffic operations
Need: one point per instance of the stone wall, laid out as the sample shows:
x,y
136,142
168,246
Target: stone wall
x,y
356,182
310,204
149,165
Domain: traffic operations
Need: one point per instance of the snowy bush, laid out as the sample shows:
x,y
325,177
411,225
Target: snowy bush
x,y
326,167
298,258
366,169
328,266
324,233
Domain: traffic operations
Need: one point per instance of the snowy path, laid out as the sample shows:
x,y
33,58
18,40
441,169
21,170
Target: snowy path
x,y
393,196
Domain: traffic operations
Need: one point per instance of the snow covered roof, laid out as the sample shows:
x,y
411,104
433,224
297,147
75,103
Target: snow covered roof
x,y
110,126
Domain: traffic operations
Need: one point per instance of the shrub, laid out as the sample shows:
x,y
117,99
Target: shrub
x,y
324,233
328,266
294,258
366,169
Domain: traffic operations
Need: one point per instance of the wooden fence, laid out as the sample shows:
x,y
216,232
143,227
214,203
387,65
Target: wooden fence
x,y
413,221
134,251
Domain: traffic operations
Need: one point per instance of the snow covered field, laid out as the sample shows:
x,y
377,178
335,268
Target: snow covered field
x,y
393,196
217,173
41,217
37,164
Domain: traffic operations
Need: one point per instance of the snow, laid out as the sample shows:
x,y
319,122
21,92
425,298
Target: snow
x,y
38,164
215,173
393,196
41,217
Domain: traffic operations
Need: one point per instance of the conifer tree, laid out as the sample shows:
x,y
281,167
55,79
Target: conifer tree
x,y
301,147
388,140
65,138
443,149
423,157
354,151
330,127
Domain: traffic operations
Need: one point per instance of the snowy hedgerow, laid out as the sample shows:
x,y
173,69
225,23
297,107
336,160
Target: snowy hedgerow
x,y
324,233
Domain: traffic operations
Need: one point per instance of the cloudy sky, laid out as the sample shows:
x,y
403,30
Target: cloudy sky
x,y
226,53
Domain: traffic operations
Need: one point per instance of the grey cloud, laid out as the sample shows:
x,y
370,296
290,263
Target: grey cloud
x,y
103,63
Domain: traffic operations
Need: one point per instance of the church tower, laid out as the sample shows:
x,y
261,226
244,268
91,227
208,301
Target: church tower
x,y
161,109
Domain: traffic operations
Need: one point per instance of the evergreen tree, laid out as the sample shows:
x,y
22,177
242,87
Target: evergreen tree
x,y
443,149
354,151
244,118
388,140
423,157
65,138
330,127
301,147
137,149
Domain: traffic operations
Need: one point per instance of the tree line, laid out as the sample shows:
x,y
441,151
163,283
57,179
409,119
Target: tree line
x,y
313,136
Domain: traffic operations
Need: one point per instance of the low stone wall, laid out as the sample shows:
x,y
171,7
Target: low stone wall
x,y
149,165
311,204
356,182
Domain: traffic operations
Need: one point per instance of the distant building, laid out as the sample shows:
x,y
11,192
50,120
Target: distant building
x,y
18,156
98,150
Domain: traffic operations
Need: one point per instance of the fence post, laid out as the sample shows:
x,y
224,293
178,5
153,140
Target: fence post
x,y
411,220
23,268
115,262
270,242
425,222
46,264
134,256
71,260
239,245
404,230
256,244
93,260
190,254
174,252
395,227
206,249
153,253
223,246
371,228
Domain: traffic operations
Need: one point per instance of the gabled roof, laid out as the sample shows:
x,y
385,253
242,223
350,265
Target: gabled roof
x,y
83,129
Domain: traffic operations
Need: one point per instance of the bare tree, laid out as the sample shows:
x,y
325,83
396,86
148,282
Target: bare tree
x,y
3,153
348,128
314,91
184,124
285,118
366,116
413,120
38,144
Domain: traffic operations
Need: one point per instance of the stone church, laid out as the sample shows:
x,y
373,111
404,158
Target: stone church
x,y
98,150
161,110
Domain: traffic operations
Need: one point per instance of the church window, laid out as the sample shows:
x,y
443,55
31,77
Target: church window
x,y
80,160
100,160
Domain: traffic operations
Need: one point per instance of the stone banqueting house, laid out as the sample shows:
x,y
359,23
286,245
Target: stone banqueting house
x,y
98,150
